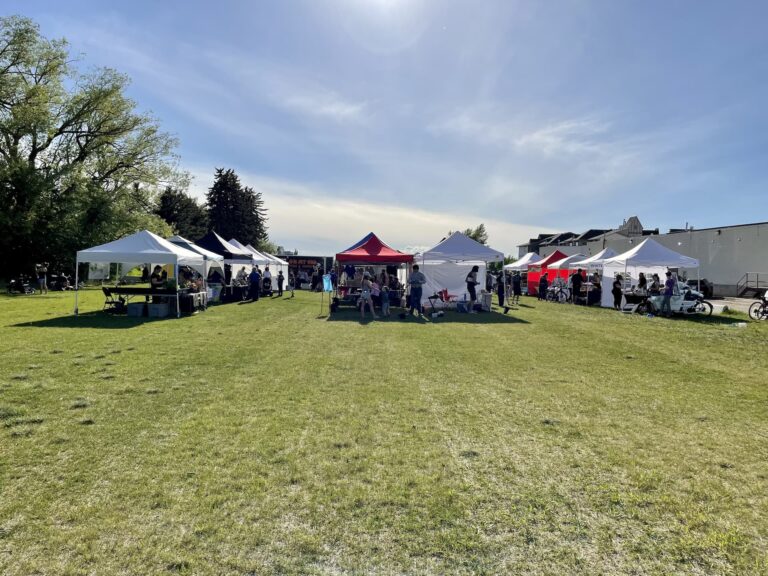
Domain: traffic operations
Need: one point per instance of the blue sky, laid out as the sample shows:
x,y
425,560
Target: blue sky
x,y
411,118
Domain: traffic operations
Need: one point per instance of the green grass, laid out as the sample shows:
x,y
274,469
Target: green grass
x,y
263,439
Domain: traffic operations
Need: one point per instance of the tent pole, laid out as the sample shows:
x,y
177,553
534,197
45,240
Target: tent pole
x,y
178,308
77,284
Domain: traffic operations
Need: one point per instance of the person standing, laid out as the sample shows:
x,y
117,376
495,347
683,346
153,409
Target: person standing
x,y
517,288
666,300
416,281
642,282
500,288
292,282
42,277
255,284
280,280
472,283
616,290
366,298
543,286
576,281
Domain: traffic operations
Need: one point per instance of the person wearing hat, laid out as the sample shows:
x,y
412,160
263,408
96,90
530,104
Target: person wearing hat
x,y
669,290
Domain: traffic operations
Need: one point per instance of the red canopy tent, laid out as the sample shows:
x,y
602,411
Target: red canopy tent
x,y
536,269
371,250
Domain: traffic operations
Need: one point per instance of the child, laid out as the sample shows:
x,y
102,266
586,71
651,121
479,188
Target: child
x,y
385,300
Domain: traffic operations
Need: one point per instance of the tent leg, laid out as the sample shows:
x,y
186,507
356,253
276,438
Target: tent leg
x,y
77,286
178,307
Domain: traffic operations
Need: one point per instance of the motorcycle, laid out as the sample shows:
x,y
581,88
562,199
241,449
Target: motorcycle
x,y
20,285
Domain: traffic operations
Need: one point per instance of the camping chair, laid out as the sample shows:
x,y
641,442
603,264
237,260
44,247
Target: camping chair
x,y
448,300
110,304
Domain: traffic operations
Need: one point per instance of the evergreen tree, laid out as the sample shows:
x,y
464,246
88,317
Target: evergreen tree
x,y
235,211
181,211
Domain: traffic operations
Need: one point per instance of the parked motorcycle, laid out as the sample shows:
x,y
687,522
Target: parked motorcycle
x,y
20,285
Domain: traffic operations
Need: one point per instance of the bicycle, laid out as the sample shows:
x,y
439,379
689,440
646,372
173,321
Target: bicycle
x,y
759,310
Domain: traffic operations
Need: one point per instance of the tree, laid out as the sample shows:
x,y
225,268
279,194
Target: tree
x,y
235,211
182,212
78,165
478,234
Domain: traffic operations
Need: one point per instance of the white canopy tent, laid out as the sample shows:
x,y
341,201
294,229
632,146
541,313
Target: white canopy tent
x,y
447,264
212,260
141,248
522,264
277,265
566,263
595,262
648,257
258,257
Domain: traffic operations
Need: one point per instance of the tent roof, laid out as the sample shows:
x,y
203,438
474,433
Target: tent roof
x,y
140,247
651,253
371,250
217,244
596,259
258,257
189,245
459,247
522,263
565,263
547,260
278,261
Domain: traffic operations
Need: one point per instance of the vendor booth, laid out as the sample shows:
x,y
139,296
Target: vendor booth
x,y
562,268
228,287
522,264
145,248
447,264
521,267
594,263
648,257
278,265
536,269
258,258
370,255
212,260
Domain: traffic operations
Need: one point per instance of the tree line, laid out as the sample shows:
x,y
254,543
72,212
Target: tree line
x,y
81,166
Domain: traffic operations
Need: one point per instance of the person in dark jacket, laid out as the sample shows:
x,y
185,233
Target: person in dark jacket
x,y
543,286
254,279
616,290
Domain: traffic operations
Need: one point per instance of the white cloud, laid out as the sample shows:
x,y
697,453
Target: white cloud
x,y
311,219
324,104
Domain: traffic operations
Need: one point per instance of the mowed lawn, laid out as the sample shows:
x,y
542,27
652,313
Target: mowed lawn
x,y
264,439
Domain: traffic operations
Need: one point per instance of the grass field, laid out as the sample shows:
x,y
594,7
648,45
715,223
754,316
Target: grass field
x,y
263,439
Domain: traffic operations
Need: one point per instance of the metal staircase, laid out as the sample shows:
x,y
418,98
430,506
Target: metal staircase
x,y
752,284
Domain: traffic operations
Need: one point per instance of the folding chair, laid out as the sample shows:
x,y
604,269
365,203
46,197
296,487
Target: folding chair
x,y
110,304
448,300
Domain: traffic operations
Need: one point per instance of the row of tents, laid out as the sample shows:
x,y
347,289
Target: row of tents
x,y
208,253
648,257
446,264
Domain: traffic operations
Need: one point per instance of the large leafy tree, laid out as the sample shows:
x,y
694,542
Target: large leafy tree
x,y
78,164
236,211
181,211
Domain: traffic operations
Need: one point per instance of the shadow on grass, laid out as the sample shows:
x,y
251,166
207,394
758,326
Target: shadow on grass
x,y
89,320
448,318
713,320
